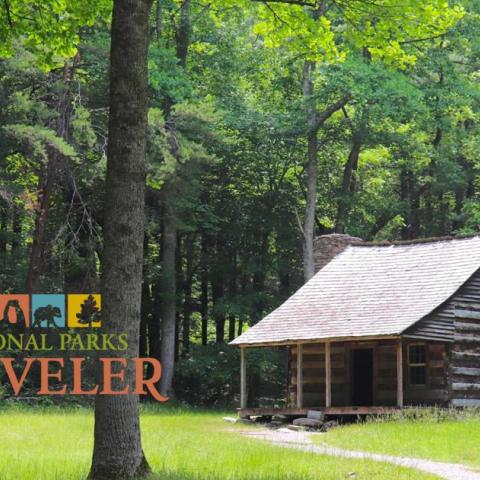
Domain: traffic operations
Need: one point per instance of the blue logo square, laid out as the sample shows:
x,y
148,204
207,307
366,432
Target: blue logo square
x,y
48,311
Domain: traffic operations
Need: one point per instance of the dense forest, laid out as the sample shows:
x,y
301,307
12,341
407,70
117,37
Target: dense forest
x,y
269,123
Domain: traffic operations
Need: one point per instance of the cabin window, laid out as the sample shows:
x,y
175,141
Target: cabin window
x,y
417,364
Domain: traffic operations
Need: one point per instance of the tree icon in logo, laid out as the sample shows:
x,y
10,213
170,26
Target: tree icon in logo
x,y
89,312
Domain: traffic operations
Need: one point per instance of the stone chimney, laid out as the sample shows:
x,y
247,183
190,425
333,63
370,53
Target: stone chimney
x,y
327,247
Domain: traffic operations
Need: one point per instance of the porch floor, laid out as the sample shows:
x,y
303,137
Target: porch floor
x,y
295,411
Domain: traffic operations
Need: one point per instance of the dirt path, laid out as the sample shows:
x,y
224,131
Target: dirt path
x,y
302,441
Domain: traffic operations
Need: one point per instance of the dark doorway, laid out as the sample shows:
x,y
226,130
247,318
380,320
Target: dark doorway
x,y
362,370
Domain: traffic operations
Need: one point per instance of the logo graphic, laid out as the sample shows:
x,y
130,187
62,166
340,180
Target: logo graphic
x,y
48,311
15,310
40,323
84,310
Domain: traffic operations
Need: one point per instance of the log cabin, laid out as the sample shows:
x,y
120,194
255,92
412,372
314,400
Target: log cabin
x,y
378,327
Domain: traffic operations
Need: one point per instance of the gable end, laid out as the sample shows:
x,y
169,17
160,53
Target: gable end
x,y
440,324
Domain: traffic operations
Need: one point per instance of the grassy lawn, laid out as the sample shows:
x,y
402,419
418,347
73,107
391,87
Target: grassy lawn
x,y
55,444
449,441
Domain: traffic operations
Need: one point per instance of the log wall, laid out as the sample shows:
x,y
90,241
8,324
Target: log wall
x,y
384,374
465,354
435,391
314,375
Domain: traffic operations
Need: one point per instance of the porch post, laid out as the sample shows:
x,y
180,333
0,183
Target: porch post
x,y
399,374
299,375
328,376
243,378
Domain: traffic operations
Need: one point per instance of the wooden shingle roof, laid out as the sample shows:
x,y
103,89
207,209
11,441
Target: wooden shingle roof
x,y
370,290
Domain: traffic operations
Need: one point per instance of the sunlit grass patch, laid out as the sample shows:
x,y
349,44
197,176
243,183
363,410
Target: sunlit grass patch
x,y
180,444
449,436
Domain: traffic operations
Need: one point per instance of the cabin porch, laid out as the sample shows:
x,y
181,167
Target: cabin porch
x,y
353,377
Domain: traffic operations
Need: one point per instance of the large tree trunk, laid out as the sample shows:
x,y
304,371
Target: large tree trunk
x,y
169,298
117,452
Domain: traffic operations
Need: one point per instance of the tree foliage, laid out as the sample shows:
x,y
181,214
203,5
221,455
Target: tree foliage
x,y
227,146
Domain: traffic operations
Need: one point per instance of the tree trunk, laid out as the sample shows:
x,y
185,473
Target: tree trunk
x,y
16,228
218,313
169,296
187,293
241,318
3,231
145,319
204,291
169,328
182,44
315,121
182,35
158,20
35,262
347,188
147,308
410,195
232,293
117,452
311,174
48,177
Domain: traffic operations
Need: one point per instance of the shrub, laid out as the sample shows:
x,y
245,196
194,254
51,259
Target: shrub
x,y
210,375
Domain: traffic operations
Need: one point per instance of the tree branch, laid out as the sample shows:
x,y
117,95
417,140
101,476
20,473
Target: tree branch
x,y
322,117
7,10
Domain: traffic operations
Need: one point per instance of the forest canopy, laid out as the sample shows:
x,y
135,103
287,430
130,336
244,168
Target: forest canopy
x,y
269,123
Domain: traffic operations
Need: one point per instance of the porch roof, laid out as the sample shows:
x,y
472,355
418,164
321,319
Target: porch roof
x,y
370,290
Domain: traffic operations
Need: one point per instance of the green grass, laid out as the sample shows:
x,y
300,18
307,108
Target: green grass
x,y
56,444
456,441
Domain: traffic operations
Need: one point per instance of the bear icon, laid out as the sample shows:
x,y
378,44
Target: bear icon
x,y
46,314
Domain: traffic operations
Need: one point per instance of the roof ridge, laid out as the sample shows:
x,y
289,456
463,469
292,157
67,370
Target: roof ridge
x,y
417,241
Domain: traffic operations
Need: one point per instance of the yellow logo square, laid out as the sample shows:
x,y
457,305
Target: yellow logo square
x,y
84,310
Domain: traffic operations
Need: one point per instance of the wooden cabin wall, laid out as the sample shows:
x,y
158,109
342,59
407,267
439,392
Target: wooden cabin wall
x,y
314,375
465,354
384,374
435,392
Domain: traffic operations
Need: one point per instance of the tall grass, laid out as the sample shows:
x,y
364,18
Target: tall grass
x,y
180,444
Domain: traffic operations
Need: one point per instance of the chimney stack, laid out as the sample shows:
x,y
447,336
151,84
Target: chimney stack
x,y
327,247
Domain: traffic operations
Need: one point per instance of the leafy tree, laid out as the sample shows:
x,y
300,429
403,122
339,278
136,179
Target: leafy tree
x,y
50,29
